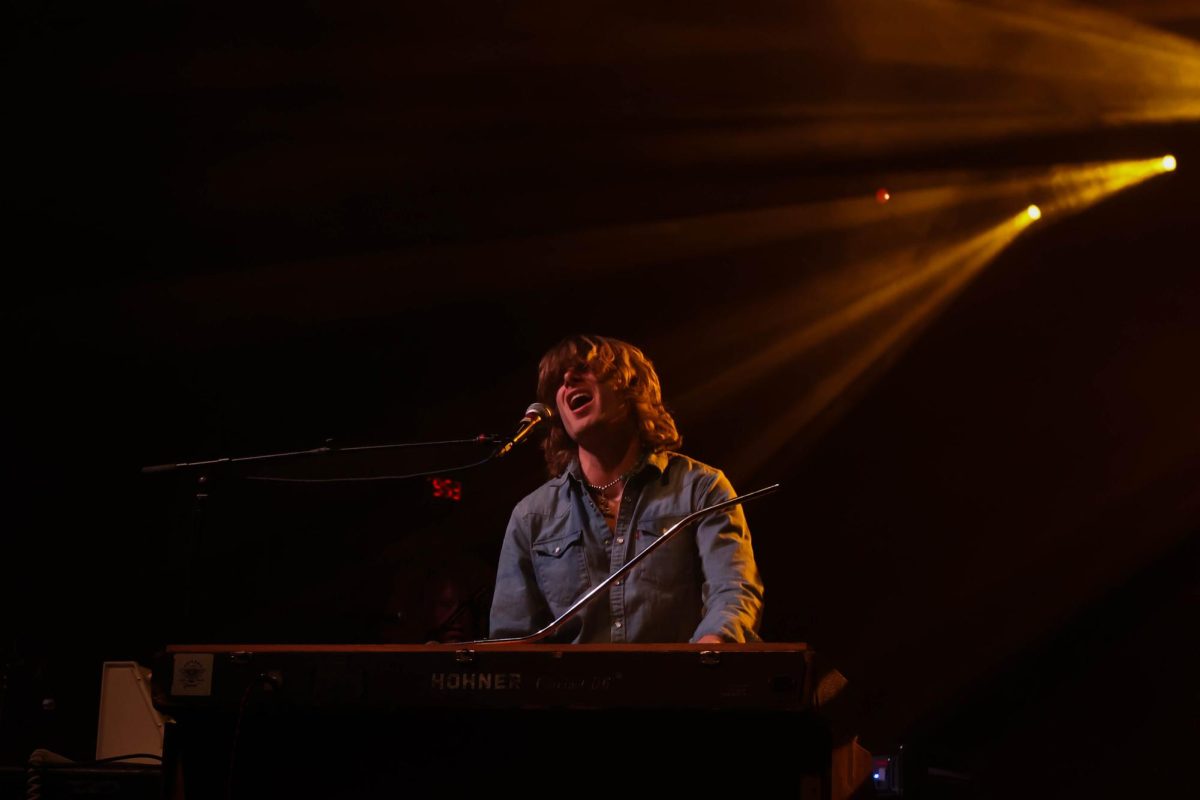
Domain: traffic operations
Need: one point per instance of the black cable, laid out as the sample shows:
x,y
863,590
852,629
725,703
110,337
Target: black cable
x,y
111,759
38,759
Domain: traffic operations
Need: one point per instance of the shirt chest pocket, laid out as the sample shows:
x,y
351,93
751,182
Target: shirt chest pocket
x,y
560,568
674,565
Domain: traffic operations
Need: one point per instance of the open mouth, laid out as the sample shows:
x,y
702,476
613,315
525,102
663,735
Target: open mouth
x,y
578,401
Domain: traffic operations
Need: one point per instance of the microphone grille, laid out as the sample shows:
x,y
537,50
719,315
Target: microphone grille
x,y
538,411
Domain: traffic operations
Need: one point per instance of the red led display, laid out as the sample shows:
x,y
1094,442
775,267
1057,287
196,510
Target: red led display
x,y
446,489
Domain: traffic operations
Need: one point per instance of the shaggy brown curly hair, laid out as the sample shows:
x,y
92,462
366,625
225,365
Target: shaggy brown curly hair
x,y
627,370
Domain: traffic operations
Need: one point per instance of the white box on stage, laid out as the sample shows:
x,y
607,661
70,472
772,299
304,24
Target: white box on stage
x,y
129,723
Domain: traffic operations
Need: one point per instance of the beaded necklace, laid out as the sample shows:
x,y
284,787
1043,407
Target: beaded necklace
x,y
597,492
608,485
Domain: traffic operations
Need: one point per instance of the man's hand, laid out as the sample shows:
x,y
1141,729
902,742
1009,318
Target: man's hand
x,y
710,638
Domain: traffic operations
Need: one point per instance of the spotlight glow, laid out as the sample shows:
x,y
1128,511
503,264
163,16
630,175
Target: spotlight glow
x,y
1168,163
912,302
1034,212
882,196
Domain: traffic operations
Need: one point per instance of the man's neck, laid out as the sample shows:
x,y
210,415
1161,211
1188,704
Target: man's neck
x,y
604,464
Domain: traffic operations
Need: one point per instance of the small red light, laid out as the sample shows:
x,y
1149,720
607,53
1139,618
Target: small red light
x,y
446,488
882,196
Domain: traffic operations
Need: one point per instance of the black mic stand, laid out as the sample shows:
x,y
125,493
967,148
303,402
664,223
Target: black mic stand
x,y
202,487
326,449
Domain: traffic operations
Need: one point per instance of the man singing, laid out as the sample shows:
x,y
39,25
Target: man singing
x,y
616,486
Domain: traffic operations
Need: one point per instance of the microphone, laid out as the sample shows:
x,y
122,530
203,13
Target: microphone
x,y
536,414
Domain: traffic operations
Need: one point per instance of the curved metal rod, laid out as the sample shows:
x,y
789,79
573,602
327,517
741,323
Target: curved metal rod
x,y
590,595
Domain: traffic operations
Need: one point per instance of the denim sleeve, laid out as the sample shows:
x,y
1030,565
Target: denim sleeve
x,y
518,607
733,591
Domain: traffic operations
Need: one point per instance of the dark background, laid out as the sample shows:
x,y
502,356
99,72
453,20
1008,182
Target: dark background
x,y
237,230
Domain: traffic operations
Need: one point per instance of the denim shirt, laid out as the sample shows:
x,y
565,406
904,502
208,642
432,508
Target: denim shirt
x,y
557,546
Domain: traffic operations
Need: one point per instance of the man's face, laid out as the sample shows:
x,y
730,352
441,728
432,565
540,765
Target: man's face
x,y
590,407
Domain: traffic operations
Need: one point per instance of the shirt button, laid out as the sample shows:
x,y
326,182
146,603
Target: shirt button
x,y
617,582
617,624
557,549
608,541
620,540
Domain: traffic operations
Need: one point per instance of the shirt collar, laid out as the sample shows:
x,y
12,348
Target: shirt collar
x,y
656,461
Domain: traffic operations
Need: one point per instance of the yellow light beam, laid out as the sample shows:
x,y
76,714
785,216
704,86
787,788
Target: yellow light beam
x,y
681,238
1094,40
837,321
959,264
998,69
1076,188
844,297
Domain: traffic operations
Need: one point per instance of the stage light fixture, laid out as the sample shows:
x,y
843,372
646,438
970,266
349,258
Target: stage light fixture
x,y
1034,212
